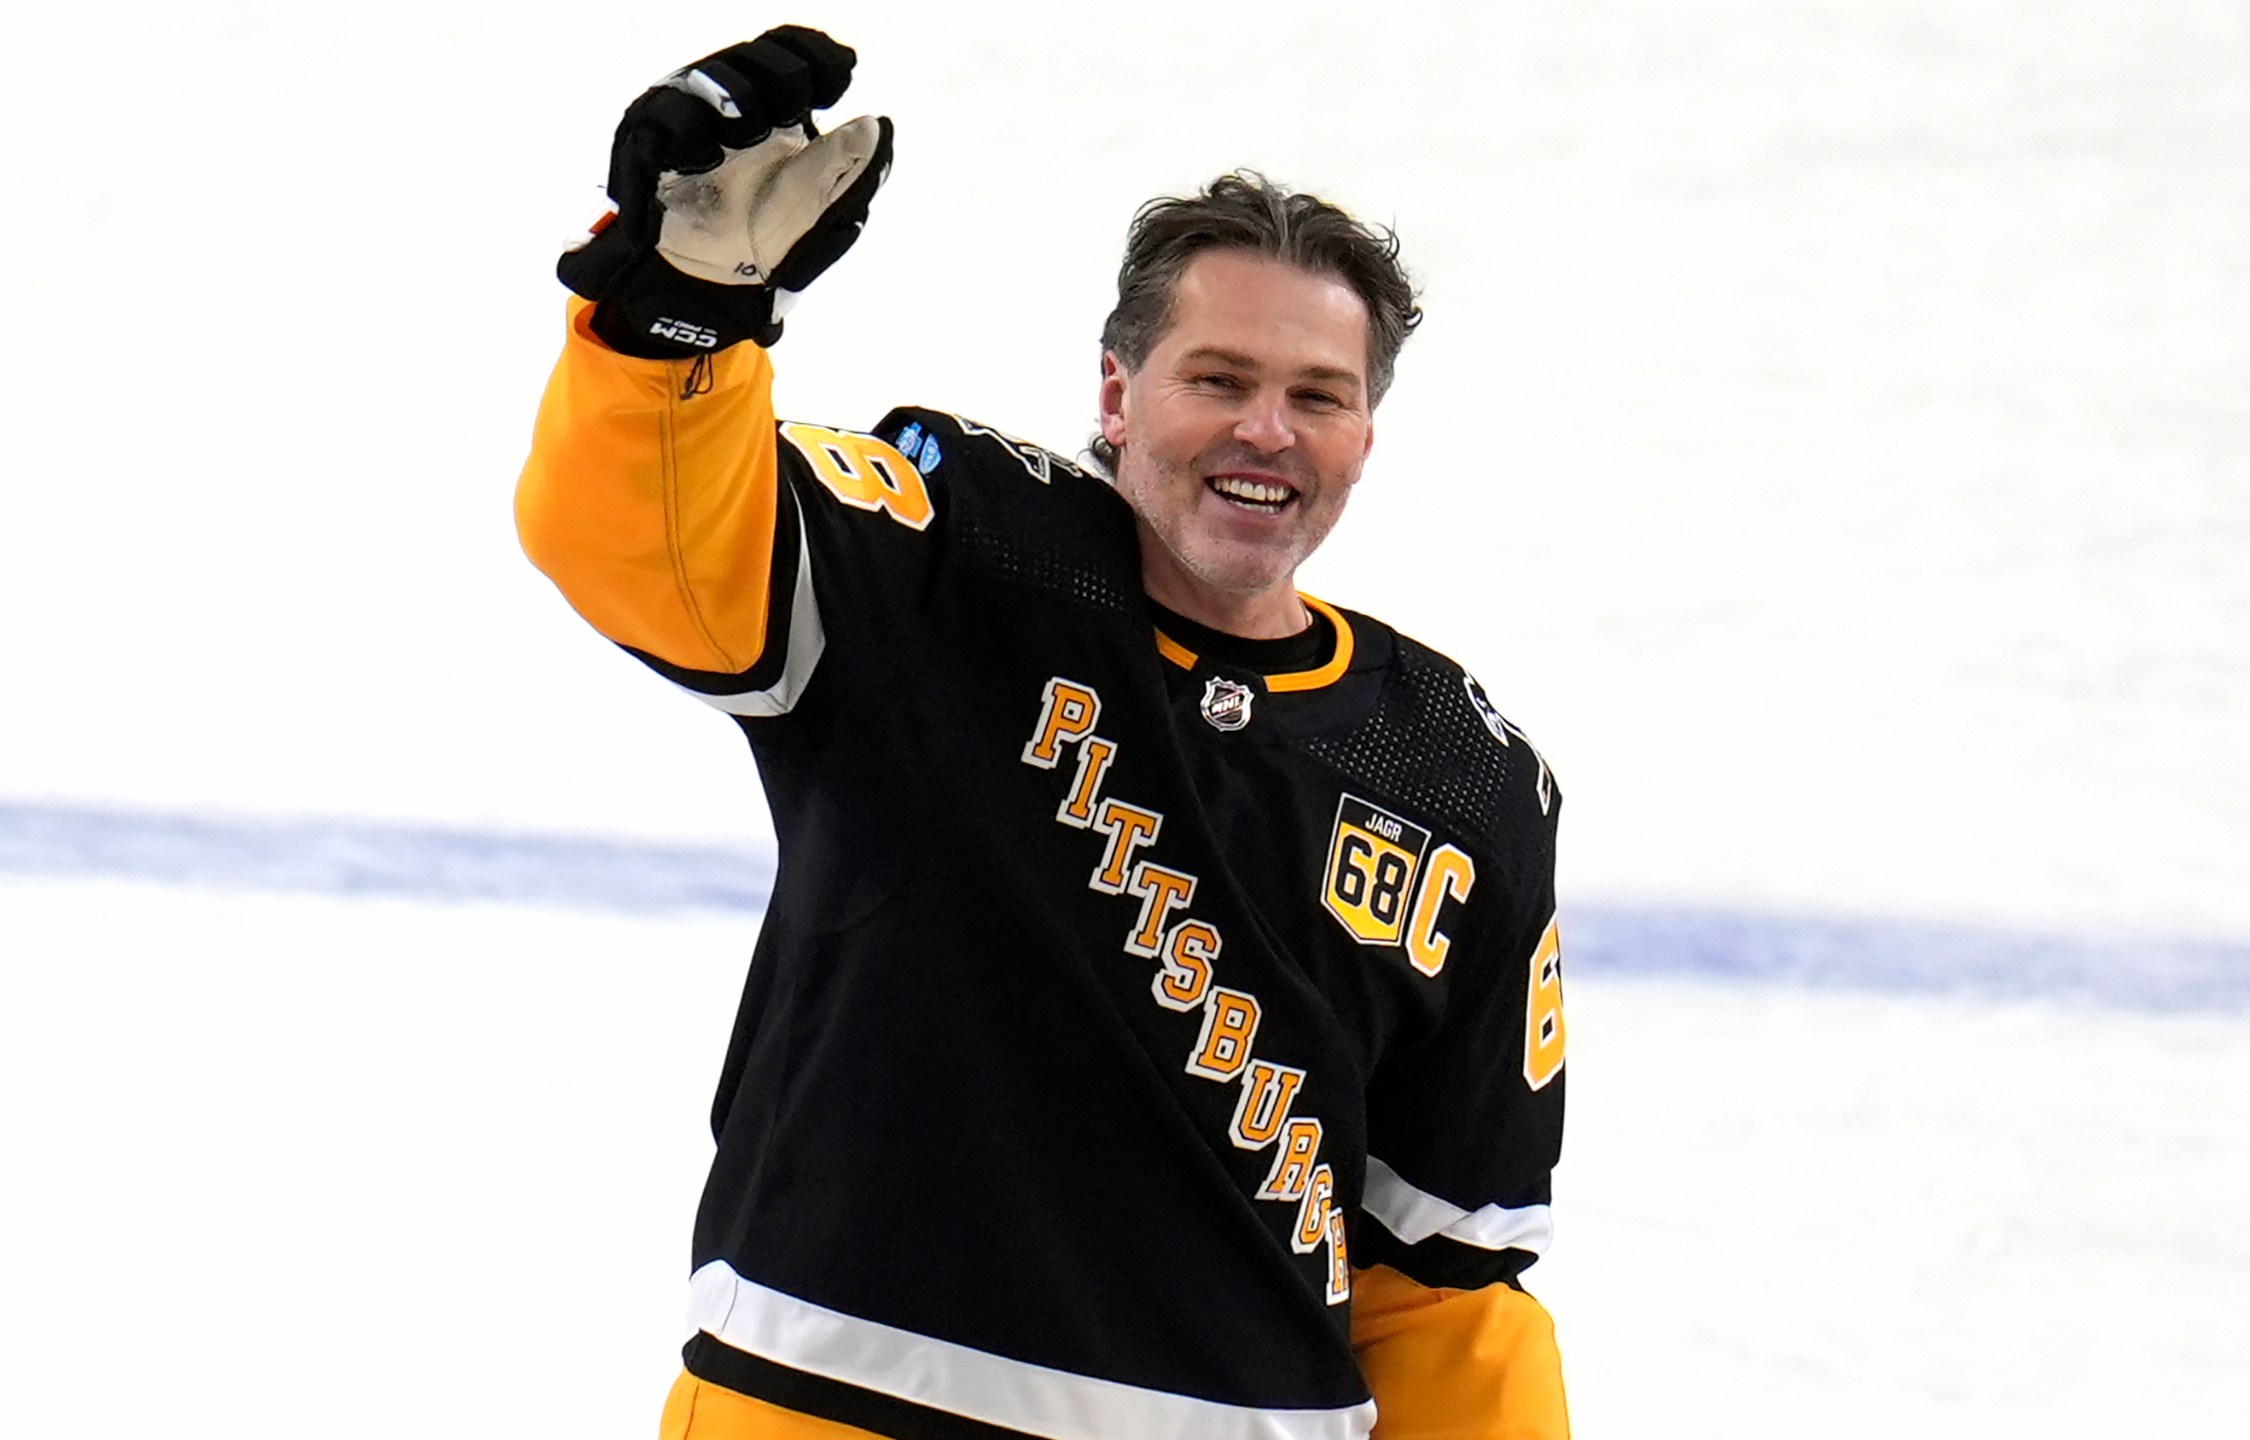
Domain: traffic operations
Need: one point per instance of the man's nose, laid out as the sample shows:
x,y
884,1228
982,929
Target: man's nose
x,y
1264,425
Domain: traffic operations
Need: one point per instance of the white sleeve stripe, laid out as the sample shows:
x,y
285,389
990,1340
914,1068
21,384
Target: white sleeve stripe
x,y
960,1380
1416,1215
806,642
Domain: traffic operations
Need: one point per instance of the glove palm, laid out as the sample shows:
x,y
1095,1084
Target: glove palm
x,y
729,200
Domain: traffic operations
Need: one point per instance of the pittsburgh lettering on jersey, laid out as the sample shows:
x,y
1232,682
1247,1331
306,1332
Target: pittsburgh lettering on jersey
x,y
1187,951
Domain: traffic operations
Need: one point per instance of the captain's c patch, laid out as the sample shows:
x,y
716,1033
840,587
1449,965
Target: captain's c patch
x,y
1373,857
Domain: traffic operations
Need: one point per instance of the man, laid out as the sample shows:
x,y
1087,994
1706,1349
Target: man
x,y
1156,1027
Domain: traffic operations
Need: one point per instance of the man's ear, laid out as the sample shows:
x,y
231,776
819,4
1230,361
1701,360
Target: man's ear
x,y
1368,445
1111,399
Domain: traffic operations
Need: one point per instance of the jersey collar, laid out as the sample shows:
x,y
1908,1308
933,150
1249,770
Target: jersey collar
x,y
1327,673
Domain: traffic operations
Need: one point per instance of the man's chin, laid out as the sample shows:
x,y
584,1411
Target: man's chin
x,y
1240,576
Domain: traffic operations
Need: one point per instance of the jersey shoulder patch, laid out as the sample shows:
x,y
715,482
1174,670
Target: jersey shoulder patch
x,y
928,437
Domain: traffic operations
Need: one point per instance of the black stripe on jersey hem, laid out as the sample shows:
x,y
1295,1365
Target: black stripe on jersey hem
x,y
781,591
710,1359
1437,1262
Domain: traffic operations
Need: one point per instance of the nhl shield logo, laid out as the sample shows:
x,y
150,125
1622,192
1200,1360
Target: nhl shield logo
x,y
1226,705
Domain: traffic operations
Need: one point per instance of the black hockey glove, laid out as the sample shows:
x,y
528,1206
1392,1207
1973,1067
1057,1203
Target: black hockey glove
x,y
729,200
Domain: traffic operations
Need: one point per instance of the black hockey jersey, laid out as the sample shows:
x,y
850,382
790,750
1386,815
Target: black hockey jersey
x,y
1114,1002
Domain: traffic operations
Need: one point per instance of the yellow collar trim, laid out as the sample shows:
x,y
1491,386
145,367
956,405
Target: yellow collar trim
x,y
1327,674
1337,664
1174,651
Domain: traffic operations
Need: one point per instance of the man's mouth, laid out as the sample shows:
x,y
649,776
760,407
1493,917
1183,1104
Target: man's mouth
x,y
1266,497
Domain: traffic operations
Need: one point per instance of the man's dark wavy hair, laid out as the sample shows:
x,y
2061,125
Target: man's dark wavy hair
x,y
1246,211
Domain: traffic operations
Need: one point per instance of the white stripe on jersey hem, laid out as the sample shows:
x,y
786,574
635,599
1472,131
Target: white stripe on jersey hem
x,y
1013,1394
807,640
1415,1215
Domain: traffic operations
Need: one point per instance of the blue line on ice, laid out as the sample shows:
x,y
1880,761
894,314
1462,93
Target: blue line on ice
x,y
371,858
356,858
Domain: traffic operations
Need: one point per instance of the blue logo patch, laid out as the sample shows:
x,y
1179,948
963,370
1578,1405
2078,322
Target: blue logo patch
x,y
929,457
909,442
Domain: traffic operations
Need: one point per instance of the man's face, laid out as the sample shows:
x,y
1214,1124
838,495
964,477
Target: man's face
x,y
1240,437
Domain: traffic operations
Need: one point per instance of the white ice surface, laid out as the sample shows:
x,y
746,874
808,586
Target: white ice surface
x,y
286,1167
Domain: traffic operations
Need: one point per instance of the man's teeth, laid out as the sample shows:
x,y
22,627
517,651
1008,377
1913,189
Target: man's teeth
x,y
1256,492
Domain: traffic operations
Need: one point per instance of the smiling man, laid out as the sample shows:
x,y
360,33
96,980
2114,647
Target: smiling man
x,y
1156,1030
1238,434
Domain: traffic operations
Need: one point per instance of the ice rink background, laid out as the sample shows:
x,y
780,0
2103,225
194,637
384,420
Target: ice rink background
x,y
1830,438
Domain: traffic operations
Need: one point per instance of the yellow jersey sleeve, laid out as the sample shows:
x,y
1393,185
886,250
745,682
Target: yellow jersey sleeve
x,y
650,498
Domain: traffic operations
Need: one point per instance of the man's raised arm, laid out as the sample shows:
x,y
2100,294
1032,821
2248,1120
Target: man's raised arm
x,y
650,497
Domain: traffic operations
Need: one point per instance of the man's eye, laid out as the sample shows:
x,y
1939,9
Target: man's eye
x,y
1219,381
1321,398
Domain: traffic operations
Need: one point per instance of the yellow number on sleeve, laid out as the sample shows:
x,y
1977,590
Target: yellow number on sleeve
x,y
1543,1018
864,472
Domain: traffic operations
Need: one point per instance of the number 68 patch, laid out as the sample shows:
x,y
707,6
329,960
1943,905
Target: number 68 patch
x,y
1373,857
1385,888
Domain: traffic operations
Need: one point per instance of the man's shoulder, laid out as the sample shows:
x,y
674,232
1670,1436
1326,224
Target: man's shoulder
x,y
935,440
1434,734
1018,512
